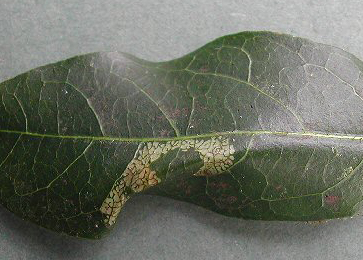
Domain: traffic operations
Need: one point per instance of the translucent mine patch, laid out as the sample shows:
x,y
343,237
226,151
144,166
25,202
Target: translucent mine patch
x,y
216,153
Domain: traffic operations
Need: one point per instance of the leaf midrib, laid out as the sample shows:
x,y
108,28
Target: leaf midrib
x,y
208,135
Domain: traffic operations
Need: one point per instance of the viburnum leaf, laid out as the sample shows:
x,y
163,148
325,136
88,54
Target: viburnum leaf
x,y
256,125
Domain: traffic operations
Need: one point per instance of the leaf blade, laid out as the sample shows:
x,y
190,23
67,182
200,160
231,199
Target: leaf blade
x,y
255,125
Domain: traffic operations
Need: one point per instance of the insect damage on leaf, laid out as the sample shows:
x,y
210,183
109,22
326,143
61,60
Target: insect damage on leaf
x,y
216,153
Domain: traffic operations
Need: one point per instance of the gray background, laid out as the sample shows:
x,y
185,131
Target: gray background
x,y
35,32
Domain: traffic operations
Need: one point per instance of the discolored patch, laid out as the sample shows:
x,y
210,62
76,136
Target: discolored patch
x,y
216,154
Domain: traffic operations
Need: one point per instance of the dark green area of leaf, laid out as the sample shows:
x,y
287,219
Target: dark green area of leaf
x,y
291,108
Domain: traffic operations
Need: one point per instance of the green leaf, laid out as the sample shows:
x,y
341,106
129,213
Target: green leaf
x,y
255,125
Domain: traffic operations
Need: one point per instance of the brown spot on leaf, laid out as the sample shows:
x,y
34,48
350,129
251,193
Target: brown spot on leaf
x,y
232,199
331,200
278,187
204,69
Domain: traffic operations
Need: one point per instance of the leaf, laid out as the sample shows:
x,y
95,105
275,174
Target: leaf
x,y
255,125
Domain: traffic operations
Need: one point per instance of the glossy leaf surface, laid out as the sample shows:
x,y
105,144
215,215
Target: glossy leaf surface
x,y
256,125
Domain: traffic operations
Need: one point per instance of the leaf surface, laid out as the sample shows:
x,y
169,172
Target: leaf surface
x,y
256,125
